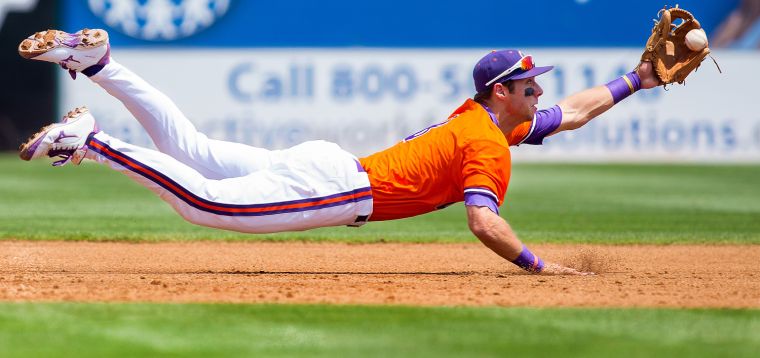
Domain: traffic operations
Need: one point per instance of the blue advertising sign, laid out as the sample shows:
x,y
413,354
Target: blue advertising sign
x,y
389,23
368,74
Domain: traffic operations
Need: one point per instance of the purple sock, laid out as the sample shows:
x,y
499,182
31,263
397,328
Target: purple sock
x,y
624,86
529,262
92,70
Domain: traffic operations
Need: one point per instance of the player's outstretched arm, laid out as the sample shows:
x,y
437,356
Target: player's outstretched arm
x,y
579,108
497,235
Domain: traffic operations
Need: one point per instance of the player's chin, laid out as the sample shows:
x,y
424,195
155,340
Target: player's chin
x,y
532,112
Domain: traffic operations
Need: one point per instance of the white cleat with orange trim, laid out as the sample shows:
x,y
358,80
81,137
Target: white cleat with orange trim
x,y
85,51
65,140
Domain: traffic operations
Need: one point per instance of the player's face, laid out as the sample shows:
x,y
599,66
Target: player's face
x,y
524,99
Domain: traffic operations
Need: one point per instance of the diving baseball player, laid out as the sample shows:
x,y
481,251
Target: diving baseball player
x,y
237,187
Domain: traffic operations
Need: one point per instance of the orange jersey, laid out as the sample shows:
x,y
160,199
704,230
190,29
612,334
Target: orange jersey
x,y
434,167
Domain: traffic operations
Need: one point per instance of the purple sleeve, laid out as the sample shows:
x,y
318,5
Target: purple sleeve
x,y
545,122
476,198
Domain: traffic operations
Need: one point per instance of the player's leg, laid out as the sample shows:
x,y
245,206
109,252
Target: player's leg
x,y
263,202
312,185
88,52
173,133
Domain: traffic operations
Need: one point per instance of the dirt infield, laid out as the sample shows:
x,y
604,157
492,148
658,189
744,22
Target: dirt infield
x,y
410,274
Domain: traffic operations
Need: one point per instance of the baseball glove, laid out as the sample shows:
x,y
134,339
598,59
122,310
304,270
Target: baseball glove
x,y
666,48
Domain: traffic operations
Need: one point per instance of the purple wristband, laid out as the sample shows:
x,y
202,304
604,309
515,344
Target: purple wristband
x,y
624,86
529,262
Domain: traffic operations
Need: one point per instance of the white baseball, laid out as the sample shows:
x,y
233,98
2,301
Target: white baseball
x,y
696,40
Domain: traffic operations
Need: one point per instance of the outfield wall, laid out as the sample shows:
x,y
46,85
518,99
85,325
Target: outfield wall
x,y
368,99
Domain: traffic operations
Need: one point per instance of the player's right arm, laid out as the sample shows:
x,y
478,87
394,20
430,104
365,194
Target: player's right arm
x,y
580,108
497,235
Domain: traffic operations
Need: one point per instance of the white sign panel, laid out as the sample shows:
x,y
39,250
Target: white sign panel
x,y
368,99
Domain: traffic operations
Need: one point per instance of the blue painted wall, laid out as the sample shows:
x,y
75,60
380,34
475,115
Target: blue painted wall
x,y
421,23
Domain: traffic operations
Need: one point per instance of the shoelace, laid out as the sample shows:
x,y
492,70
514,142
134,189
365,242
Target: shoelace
x,y
63,147
72,73
65,152
64,156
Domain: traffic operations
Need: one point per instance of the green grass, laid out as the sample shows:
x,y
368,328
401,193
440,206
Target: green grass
x,y
97,330
545,203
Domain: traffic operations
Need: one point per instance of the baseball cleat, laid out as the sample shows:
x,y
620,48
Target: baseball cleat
x,y
65,140
74,52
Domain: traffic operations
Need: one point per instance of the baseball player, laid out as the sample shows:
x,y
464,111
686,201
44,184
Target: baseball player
x,y
237,187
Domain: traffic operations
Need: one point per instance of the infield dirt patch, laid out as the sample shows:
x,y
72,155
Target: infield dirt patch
x,y
410,274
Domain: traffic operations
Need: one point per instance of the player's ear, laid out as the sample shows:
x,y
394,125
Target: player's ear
x,y
499,89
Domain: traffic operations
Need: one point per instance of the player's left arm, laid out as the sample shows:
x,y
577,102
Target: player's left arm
x,y
497,235
579,108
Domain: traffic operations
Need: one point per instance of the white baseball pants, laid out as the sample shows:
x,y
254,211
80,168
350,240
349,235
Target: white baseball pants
x,y
230,185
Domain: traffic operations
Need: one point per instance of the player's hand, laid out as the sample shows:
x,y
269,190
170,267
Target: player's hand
x,y
647,75
557,269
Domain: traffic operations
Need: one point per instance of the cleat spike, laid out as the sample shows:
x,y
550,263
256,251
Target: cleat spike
x,y
77,52
66,140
